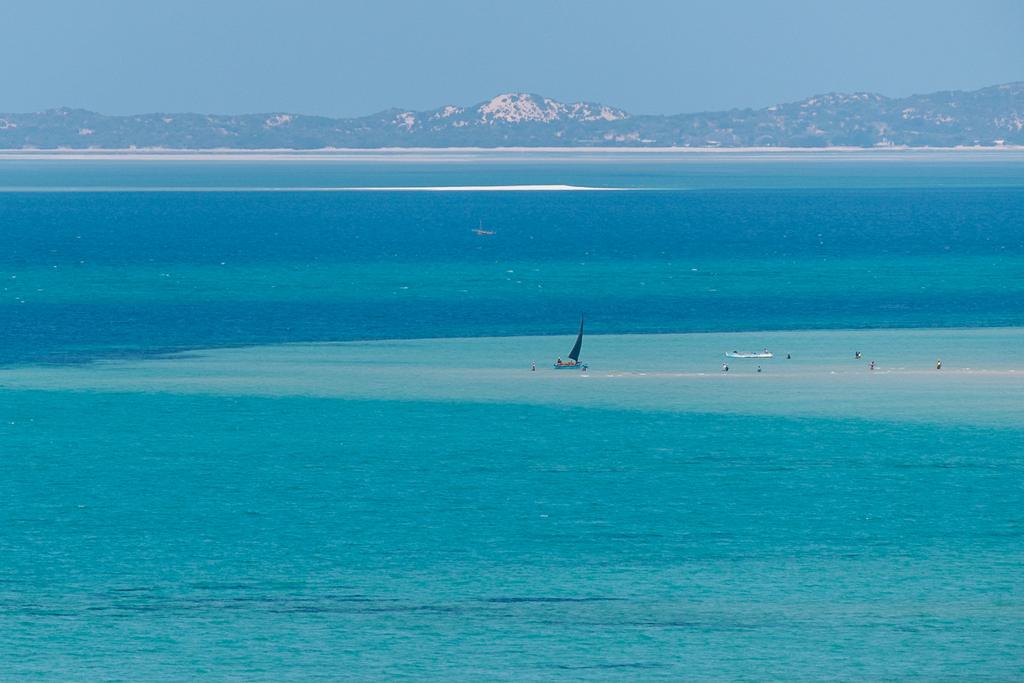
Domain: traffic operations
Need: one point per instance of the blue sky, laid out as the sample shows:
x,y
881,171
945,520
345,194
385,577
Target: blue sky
x,y
355,58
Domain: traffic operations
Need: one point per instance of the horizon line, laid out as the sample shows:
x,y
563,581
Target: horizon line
x,y
337,153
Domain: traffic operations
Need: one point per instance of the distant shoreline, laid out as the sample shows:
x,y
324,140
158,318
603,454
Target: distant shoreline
x,y
152,153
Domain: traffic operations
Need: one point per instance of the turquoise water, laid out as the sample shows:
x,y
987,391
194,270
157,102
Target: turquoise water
x,y
233,457
356,511
880,169
979,385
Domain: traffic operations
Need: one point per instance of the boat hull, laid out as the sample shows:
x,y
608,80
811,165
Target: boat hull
x,y
577,366
735,354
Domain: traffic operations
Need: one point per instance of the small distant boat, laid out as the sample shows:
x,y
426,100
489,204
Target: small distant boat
x,y
750,354
481,231
574,355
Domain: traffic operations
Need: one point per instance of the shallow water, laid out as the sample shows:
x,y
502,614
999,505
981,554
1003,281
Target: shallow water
x,y
437,508
981,381
172,536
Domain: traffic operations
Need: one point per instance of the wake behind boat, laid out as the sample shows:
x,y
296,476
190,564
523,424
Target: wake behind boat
x,y
750,354
574,355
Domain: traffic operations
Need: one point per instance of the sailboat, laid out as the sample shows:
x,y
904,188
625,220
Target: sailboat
x,y
574,355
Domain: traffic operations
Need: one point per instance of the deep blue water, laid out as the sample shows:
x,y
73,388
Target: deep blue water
x,y
740,260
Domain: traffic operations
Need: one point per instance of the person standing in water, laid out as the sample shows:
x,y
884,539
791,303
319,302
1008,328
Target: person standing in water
x,y
872,365
938,366
759,368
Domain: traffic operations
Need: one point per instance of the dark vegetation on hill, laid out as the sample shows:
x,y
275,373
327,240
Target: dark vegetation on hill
x,y
987,117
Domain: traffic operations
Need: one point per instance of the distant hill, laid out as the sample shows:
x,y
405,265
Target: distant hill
x,y
987,117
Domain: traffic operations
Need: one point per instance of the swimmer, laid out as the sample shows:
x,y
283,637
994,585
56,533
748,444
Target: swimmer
x,y
788,357
759,368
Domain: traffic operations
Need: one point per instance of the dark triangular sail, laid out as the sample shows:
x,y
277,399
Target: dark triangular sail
x,y
575,353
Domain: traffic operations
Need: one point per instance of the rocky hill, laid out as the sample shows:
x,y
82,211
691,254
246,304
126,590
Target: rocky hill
x,y
987,117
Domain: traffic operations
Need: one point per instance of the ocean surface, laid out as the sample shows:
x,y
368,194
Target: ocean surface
x,y
274,418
